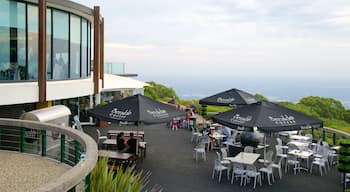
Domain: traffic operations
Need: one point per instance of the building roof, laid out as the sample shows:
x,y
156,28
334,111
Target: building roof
x,y
115,82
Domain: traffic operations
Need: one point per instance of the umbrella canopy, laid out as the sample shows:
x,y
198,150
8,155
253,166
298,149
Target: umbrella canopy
x,y
137,108
229,98
267,117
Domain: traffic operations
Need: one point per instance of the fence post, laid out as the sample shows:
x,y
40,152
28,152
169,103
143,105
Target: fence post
x,y
22,139
323,134
43,142
312,133
87,182
76,152
334,139
63,148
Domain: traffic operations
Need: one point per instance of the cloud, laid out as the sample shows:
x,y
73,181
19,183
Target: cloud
x,y
128,46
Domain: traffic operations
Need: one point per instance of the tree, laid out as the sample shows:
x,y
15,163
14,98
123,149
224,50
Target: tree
x,y
325,107
159,91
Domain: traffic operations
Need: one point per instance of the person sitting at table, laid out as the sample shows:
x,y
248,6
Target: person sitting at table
x,y
120,142
131,144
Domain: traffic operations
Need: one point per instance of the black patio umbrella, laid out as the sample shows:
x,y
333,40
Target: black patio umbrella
x,y
137,108
267,117
230,98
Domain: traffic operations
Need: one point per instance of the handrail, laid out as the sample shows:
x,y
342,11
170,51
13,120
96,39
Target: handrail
x,y
73,176
338,132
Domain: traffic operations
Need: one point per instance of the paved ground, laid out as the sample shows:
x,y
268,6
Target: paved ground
x,y
24,172
169,158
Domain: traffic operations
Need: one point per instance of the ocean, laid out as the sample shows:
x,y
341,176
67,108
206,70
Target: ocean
x,y
275,89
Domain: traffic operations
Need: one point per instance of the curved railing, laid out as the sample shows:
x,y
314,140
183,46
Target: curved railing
x,y
56,142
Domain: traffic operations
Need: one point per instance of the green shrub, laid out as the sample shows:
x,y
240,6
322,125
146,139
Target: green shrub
x,y
125,180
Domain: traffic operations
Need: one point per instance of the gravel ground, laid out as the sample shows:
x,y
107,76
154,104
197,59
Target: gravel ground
x,y
24,172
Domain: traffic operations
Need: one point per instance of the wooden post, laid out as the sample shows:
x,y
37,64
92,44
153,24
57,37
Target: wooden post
x,y
102,52
96,48
42,51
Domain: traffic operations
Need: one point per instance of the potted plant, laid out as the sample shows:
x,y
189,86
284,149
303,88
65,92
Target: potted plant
x,y
344,158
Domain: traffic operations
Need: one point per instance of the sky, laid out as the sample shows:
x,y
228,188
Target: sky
x,y
242,38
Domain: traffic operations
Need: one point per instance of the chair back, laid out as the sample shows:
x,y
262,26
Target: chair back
x,y
251,168
248,149
279,141
279,150
292,146
218,156
98,134
223,152
269,156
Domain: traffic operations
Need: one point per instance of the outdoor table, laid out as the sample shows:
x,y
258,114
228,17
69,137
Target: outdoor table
x,y
300,145
218,137
244,158
115,155
300,138
140,134
303,155
141,145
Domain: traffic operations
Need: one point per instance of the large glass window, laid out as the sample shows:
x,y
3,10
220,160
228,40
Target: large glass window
x,y
12,41
74,47
60,45
33,26
84,48
68,43
48,44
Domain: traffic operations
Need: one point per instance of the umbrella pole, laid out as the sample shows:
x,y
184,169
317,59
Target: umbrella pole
x,y
264,148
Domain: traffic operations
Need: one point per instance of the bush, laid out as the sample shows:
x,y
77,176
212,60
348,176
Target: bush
x,y
105,179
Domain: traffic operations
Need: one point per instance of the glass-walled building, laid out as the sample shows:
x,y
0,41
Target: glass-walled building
x,y
73,37
68,54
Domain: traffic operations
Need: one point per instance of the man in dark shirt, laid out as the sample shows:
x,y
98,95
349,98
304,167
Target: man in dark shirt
x,y
132,144
120,142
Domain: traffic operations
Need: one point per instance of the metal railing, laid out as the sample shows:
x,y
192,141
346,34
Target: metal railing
x,y
59,143
329,134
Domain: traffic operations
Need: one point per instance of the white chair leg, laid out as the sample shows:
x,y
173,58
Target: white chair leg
x,y
212,175
255,181
220,176
280,173
268,178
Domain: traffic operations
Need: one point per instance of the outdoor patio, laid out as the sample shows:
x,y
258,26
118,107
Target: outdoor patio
x,y
169,158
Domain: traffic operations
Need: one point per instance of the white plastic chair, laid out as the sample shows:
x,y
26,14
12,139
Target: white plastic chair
x,y
251,172
292,160
218,168
321,163
195,136
267,159
199,149
99,136
279,142
278,166
248,149
280,153
269,172
238,171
